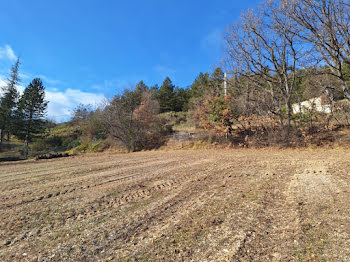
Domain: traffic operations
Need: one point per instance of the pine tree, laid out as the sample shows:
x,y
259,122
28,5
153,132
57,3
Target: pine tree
x,y
200,85
166,96
181,99
8,102
31,112
141,87
217,80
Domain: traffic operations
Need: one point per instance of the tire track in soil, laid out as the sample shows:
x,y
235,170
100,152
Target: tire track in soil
x,y
204,190
153,220
98,206
320,197
83,175
172,200
276,228
140,197
77,171
39,168
76,176
140,174
112,201
289,207
204,247
36,168
281,230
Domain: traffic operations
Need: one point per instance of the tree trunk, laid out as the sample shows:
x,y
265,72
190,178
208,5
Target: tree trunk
x,y
281,120
288,117
26,147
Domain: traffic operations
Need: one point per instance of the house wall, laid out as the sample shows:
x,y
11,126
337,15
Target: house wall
x,y
315,103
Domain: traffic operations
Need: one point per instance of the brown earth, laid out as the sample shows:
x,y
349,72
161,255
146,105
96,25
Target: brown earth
x,y
185,205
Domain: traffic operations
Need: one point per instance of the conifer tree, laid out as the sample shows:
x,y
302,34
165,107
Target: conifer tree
x,y
141,88
217,80
200,85
8,102
181,99
166,96
31,112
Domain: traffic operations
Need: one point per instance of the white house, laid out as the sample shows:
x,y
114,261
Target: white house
x,y
318,104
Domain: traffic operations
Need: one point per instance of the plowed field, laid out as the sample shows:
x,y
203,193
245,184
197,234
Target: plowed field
x,y
189,205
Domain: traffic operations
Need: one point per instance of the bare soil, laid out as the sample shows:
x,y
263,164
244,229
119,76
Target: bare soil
x,y
184,205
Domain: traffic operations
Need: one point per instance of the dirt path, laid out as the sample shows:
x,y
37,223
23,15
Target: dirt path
x,y
228,205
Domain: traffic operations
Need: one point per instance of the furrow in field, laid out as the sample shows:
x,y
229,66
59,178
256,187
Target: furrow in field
x,y
205,205
87,181
106,200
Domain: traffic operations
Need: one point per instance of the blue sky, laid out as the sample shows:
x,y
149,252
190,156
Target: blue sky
x,y
85,50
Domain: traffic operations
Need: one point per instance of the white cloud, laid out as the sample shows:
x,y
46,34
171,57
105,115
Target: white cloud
x,y
6,52
62,103
3,83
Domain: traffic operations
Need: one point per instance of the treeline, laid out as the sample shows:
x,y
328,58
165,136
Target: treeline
x,y
22,116
133,117
177,99
280,54
288,65
283,50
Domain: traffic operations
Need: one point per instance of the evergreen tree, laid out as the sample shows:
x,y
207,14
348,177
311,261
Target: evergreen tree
x,y
181,99
141,88
200,85
8,102
166,96
217,80
31,112
154,91
198,91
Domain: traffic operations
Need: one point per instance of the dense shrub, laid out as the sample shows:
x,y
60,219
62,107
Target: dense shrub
x,y
132,118
74,143
54,141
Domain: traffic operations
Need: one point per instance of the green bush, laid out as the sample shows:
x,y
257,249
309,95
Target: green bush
x,y
99,147
81,148
39,146
74,143
54,141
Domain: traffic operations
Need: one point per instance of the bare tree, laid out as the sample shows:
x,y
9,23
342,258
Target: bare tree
x,y
325,24
82,113
132,119
263,48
